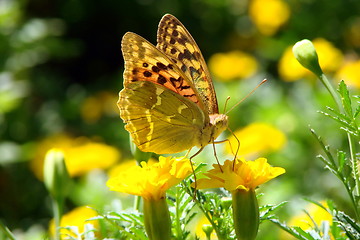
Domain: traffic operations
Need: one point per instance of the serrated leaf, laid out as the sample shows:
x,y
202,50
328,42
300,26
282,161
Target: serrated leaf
x,y
345,98
357,111
341,156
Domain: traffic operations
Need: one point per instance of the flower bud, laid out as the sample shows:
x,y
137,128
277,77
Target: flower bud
x,y
207,229
245,214
56,176
157,219
305,52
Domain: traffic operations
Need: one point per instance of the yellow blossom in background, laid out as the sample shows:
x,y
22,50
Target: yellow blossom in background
x,y
81,154
350,73
256,139
289,68
151,181
303,220
244,175
76,218
269,15
232,65
330,59
102,103
123,166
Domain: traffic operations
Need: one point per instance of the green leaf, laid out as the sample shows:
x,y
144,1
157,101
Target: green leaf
x,y
341,156
351,228
345,98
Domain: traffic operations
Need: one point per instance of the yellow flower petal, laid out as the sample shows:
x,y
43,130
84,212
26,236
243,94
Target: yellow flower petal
x,y
244,175
226,66
350,73
81,154
269,15
151,180
77,218
303,220
256,139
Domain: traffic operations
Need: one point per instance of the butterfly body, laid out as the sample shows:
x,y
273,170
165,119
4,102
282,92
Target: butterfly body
x,y
168,102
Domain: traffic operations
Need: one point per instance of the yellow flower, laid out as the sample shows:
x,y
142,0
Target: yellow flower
x,y
350,73
330,59
102,103
232,65
269,15
151,180
303,220
81,154
123,166
77,218
256,139
244,175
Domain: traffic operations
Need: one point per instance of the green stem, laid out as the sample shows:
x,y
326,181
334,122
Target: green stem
x,y
57,211
331,90
7,232
177,216
352,144
137,200
157,219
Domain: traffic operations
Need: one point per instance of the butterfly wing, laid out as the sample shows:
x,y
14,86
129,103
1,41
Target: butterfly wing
x,y
158,119
144,62
174,40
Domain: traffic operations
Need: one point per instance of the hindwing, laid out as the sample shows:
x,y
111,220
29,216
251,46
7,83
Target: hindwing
x,y
158,119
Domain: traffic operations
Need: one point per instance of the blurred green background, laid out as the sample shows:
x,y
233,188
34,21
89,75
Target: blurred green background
x,y
61,70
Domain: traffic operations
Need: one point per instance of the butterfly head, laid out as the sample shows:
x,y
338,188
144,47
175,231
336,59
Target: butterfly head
x,y
219,123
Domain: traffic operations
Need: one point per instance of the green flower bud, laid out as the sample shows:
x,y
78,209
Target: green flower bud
x,y
56,176
245,214
207,229
157,219
305,52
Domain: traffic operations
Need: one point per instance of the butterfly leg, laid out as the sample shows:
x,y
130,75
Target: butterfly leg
x,y
193,170
238,147
217,160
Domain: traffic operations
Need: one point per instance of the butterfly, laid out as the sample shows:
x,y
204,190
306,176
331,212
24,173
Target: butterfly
x,y
168,102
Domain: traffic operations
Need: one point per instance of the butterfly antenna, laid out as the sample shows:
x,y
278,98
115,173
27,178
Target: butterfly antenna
x,y
262,82
226,102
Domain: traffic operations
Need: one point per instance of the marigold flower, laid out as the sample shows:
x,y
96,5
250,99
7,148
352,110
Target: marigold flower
x,y
244,175
75,218
350,73
151,181
241,179
330,59
269,15
256,139
81,154
232,65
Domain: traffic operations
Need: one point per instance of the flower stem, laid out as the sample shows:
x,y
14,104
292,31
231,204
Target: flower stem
x,y
331,90
6,232
57,211
157,219
351,141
